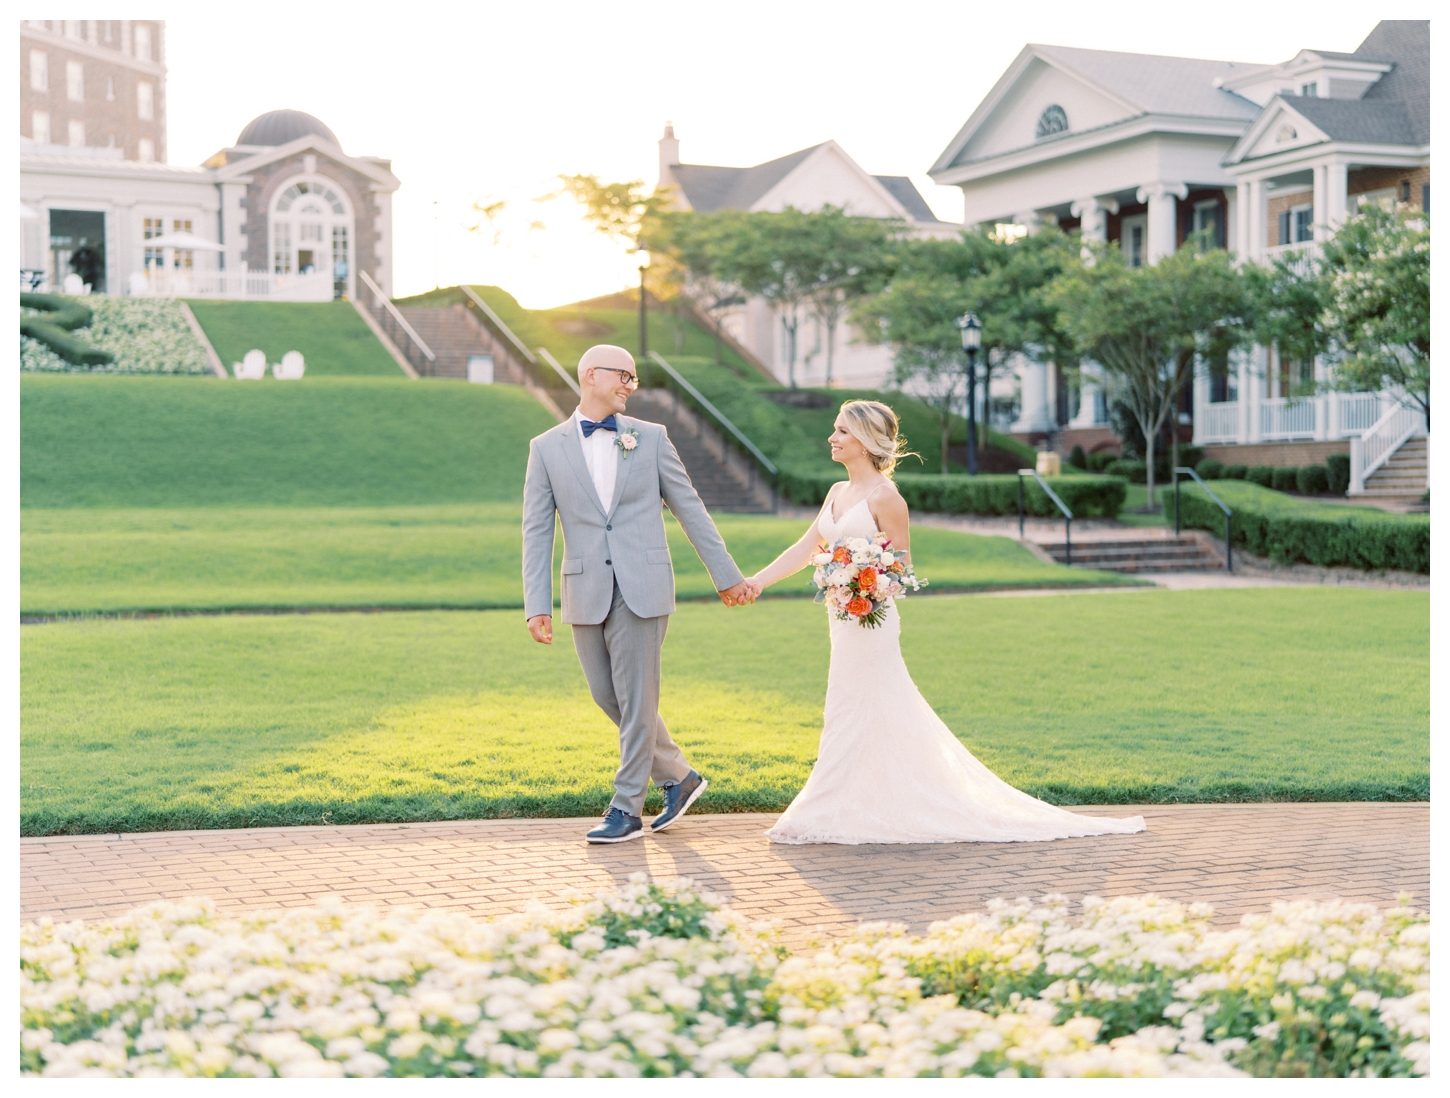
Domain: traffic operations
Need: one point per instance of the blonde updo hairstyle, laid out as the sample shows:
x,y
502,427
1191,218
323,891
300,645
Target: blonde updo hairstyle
x,y
875,426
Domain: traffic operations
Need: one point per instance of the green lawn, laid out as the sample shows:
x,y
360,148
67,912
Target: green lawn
x,y
76,561
1284,693
333,339
118,442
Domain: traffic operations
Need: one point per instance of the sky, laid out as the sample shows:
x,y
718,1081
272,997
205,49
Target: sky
x,y
480,102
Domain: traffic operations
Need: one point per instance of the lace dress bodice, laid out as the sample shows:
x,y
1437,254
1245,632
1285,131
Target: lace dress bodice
x,y
889,770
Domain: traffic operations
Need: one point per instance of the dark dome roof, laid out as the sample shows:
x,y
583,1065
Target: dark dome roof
x,y
280,127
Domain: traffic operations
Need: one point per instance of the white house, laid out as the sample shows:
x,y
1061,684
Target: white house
x,y
283,213
822,175
1144,150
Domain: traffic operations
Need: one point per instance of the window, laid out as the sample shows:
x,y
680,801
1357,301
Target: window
x,y
1310,91
72,28
1208,219
77,133
1053,120
151,227
40,127
339,253
282,248
143,41
1404,190
145,101
110,88
75,81
146,150
1134,240
39,71
1303,224
185,257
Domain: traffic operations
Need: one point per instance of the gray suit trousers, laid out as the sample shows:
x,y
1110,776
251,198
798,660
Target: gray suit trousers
x,y
621,661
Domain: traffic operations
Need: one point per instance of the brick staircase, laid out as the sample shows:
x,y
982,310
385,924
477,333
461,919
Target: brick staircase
x,y
453,335
716,472
1399,483
1182,553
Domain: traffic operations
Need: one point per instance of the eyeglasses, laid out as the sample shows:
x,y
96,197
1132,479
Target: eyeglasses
x,y
630,379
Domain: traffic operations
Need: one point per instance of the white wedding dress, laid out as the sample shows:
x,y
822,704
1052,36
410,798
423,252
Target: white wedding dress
x,y
889,770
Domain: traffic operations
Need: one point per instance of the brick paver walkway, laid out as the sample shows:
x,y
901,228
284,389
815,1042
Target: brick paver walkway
x,y
1237,857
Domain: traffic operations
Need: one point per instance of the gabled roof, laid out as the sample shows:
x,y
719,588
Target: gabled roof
x,y
251,157
904,191
709,188
1406,42
1360,121
1140,83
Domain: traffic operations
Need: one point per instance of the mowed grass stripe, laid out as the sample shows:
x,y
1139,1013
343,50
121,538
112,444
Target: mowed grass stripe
x,y
76,562
1285,693
154,442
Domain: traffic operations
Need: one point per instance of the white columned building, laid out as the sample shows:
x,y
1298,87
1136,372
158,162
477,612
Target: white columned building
x,y
1142,151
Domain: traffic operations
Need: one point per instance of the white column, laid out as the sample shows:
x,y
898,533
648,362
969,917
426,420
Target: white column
x,y
1029,218
1162,199
1255,218
1321,201
1255,394
1231,219
1088,387
1336,194
1094,213
1202,394
1033,380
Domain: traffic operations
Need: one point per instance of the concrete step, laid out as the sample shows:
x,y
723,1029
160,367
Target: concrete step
x,y
720,487
1179,554
453,336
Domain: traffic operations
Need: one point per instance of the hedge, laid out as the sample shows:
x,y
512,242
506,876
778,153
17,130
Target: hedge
x,y
1097,496
1288,529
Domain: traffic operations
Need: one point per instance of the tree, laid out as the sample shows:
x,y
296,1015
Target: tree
x,y
618,210
850,261
1377,313
694,242
1148,326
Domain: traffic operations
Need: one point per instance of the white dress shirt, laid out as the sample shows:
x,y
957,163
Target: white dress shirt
x,y
601,455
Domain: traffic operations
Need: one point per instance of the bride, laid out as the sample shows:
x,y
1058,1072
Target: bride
x,y
889,770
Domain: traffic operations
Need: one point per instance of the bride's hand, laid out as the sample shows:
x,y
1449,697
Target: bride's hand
x,y
756,587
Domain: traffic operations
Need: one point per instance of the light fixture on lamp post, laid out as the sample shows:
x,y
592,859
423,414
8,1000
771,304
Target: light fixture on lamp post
x,y
971,343
643,257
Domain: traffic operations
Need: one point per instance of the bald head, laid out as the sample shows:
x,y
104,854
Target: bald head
x,y
608,356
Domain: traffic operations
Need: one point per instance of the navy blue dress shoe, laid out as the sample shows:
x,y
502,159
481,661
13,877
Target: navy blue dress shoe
x,y
618,826
678,798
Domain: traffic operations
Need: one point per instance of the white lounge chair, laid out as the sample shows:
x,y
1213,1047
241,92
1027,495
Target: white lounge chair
x,y
253,366
290,368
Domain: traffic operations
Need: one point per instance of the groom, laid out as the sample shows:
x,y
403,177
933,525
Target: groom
x,y
606,476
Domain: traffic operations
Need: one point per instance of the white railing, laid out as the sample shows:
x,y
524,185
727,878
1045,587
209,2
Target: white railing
x,y
390,316
1300,257
1373,448
1286,417
1219,422
1358,412
236,285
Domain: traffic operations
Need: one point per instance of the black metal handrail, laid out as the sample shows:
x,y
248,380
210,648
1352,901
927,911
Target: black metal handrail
x,y
729,433
419,355
1022,506
1228,515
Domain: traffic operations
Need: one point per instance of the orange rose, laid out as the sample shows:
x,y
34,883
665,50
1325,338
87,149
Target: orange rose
x,y
897,567
841,555
859,605
866,581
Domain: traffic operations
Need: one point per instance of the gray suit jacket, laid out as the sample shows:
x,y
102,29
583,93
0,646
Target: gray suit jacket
x,y
627,544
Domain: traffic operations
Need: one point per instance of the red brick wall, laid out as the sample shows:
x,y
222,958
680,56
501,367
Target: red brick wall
x,y
1362,180
1277,205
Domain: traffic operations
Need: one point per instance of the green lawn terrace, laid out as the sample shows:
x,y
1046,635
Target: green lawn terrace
x,y
334,340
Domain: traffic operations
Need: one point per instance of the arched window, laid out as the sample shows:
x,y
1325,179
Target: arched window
x,y
312,231
1053,120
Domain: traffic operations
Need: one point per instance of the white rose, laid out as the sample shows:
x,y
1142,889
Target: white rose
x,y
858,545
838,578
821,558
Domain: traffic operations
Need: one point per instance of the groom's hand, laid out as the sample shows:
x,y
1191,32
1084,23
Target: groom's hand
x,y
541,628
738,595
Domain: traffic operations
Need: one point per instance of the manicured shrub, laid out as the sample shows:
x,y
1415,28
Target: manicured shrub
x,y
1077,458
988,494
1262,475
1285,480
1210,469
1288,530
1135,471
1313,480
1098,463
1235,472
1337,466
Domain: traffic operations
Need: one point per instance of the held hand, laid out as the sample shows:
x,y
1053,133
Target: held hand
x,y
756,587
541,628
737,595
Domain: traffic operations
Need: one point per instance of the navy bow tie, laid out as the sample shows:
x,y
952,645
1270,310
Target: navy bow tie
x,y
607,424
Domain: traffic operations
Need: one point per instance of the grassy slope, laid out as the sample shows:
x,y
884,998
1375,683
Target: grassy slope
x,y
118,442
331,336
451,556
1318,693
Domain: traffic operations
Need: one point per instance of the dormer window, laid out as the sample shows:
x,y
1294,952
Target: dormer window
x,y
1053,120
1309,91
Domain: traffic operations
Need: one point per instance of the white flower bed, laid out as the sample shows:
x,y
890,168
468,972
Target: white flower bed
x,y
658,980
147,335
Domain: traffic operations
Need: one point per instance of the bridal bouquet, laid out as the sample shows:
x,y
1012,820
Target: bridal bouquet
x,y
856,576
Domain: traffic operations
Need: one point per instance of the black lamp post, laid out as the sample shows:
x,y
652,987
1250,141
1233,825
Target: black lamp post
x,y
971,343
643,331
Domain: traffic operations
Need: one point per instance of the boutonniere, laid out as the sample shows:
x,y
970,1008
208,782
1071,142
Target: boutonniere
x,y
627,440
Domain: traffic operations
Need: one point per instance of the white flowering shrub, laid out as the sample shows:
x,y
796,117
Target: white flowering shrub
x,y
147,335
660,980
